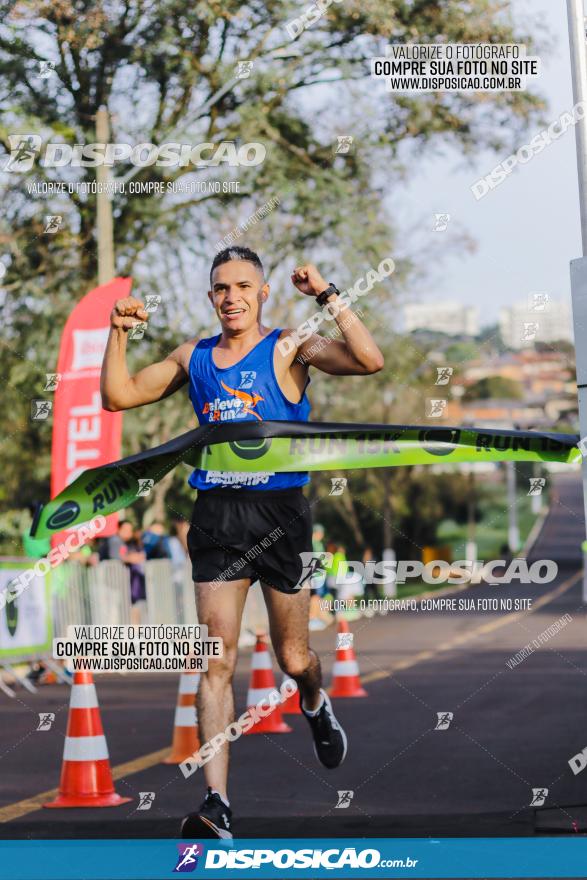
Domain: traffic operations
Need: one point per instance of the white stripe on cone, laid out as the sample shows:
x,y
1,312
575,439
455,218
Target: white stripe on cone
x,y
345,667
261,660
188,682
255,695
185,716
83,696
85,748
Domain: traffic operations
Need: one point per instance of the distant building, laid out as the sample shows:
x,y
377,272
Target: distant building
x,y
451,318
539,319
508,413
543,373
544,381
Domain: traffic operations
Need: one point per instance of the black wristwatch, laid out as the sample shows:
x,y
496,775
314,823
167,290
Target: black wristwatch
x,y
322,298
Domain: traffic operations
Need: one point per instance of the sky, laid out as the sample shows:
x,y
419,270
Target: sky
x,y
526,230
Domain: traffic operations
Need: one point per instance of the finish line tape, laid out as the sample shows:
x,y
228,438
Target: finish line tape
x,y
281,447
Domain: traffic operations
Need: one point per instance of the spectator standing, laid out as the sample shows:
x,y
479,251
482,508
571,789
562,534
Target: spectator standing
x,y
181,528
180,572
370,590
125,546
156,542
349,586
320,617
331,569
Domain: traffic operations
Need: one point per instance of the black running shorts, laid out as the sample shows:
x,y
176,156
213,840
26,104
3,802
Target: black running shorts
x,y
251,533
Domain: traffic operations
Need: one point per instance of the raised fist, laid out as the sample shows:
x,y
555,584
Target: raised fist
x,y
127,313
308,280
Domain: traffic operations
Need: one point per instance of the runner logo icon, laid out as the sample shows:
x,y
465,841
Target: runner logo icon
x,y
247,379
188,854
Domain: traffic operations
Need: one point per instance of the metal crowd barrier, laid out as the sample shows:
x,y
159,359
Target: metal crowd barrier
x,y
100,594
85,595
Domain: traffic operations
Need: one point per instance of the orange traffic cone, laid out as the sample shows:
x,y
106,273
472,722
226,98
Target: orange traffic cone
x,y
290,706
86,778
186,739
262,684
346,680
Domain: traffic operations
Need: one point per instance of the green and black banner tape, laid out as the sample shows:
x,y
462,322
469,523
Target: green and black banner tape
x,y
281,447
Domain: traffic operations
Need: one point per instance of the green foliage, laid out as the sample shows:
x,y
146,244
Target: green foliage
x,y
496,387
461,352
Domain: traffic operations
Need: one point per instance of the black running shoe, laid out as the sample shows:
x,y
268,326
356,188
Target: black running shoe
x,y
213,819
329,738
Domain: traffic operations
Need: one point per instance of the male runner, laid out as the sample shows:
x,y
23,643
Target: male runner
x,y
243,374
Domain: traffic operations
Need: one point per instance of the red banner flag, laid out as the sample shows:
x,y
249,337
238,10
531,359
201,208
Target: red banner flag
x,y
84,434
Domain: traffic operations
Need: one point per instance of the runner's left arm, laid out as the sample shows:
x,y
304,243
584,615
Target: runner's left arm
x,y
355,353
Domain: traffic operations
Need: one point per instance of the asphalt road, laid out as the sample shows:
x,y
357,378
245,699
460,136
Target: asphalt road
x,y
514,729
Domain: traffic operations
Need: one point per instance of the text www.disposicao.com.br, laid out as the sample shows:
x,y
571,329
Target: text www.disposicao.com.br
x,y
137,664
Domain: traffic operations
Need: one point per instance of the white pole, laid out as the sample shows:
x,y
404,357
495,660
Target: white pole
x,y
536,501
577,44
471,544
513,530
104,224
576,19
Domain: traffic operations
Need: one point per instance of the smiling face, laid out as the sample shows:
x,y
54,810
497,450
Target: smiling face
x,y
238,292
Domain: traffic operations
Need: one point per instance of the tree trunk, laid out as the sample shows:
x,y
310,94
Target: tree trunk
x,y
156,510
349,514
387,509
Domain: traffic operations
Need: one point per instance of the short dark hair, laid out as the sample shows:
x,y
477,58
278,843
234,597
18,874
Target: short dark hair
x,y
236,253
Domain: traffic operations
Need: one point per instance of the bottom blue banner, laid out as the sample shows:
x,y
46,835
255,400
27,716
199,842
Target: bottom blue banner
x,y
309,858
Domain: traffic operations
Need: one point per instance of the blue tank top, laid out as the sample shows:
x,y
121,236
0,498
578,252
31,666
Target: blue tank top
x,y
246,392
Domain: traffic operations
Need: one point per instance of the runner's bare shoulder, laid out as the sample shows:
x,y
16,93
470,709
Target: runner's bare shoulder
x,y
287,345
183,353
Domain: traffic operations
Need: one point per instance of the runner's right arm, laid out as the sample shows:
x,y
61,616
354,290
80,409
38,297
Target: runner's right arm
x,y
119,389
